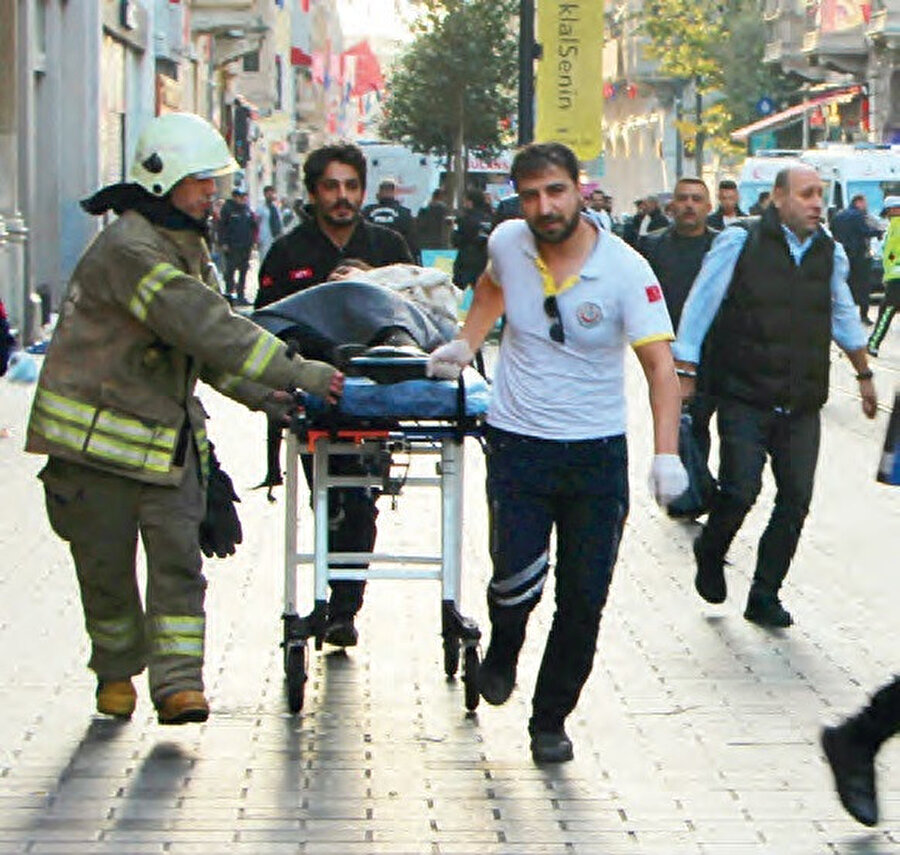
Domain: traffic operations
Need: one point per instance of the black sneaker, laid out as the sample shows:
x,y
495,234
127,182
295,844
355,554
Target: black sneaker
x,y
710,578
853,767
551,746
766,610
341,632
495,679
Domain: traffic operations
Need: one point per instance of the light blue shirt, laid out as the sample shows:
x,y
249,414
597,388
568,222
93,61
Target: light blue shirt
x,y
712,283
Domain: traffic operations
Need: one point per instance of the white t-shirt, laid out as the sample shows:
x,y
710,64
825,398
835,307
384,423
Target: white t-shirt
x,y
574,390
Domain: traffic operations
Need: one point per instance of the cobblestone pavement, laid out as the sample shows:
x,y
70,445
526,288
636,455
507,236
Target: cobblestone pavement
x,y
696,733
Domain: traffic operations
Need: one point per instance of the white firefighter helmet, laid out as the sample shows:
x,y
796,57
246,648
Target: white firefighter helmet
x,y
175,145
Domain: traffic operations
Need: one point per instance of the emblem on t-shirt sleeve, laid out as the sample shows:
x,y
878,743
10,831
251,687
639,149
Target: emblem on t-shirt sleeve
x,y
589,314
654,293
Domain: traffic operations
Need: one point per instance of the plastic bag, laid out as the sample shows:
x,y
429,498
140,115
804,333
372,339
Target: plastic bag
x,y
699,495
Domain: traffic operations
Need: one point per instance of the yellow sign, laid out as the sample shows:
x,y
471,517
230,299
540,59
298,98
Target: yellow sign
x,y
570,75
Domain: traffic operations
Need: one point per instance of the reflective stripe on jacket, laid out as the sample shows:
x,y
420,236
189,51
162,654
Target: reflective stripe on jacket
x,y
138,326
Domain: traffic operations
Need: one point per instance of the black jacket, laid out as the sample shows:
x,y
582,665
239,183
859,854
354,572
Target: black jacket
x,y
237,226
392,215
716,219
306,256
773,330
632,235
851,228
431,224
470,238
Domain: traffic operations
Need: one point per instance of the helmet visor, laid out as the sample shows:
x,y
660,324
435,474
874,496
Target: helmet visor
x,y
216,172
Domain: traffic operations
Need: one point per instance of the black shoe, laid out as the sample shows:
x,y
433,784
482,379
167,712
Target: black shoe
x,y
551,746
866,321
341,632
496,679
853,767
710,578
765,609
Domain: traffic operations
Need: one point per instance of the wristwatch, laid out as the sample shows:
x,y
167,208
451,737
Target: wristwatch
x,y
865,375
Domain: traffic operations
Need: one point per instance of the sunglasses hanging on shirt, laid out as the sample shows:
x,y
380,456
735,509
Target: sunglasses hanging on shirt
x,y
551,308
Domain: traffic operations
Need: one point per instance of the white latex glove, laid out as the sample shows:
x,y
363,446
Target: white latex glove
x,y
668,478
448,361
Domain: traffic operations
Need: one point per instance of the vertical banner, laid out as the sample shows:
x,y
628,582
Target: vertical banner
x,y
569,89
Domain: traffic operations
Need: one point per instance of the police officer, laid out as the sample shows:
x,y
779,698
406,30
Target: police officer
x,y
116,413
388,212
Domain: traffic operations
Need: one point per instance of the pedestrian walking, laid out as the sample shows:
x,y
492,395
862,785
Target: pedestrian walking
x,y
891,264
116,414
597,203
851,227
431,222
573,295
333,233
269,220
237,234
675,255
649,218
470,239
779,294
729,211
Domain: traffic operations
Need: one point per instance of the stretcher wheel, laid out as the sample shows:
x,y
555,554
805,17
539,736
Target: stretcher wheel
x,y
295,672
470,677
451,656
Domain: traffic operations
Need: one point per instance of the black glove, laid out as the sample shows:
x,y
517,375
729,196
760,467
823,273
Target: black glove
x,y
220,530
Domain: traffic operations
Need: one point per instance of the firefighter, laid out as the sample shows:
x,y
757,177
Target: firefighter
x,y
116,413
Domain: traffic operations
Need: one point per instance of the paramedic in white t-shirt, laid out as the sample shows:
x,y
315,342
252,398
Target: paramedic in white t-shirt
x,y
575,296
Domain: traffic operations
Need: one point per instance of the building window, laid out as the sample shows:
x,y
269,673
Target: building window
x,y
251,61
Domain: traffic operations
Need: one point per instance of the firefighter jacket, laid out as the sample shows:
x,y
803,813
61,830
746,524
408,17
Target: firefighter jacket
x,y
138,326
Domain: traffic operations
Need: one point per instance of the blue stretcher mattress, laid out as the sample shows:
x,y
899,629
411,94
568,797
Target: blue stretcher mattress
x,y
409,399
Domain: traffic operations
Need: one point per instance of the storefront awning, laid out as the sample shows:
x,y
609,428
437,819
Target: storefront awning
x,y
795,113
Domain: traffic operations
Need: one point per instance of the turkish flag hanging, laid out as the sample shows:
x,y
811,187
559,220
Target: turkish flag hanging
x,y
368,70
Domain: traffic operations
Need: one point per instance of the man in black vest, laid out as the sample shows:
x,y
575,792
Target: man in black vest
x,y
675,254
781,294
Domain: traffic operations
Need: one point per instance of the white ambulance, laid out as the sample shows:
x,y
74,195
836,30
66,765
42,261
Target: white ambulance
x,y
873,170
758,173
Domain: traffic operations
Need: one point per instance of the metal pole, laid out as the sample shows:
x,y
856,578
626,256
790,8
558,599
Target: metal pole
x,y
526,71
679,142
699,138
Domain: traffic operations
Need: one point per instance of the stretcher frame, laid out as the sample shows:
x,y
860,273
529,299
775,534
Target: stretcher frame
x,y
440,438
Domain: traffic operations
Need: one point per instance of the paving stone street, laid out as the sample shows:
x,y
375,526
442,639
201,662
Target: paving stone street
x,y
696,733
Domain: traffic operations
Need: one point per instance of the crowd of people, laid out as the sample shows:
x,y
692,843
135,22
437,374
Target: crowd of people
x,y
726,314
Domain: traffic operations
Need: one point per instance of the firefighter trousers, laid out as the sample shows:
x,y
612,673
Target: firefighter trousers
x,y
100,515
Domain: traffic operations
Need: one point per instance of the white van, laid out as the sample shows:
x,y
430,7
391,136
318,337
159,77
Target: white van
x,y
873,170
758,173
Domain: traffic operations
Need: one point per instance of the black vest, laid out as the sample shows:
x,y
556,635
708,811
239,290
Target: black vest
x,y
773,331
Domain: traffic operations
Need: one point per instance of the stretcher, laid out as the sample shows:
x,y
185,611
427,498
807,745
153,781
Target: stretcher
x,y
415,417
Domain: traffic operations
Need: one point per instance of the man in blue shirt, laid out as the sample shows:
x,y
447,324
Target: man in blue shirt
x,y
779,294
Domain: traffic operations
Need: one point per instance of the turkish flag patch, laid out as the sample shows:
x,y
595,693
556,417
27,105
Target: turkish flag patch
x,y
654,293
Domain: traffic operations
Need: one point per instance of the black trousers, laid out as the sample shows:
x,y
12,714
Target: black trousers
x,y
236,262
880,718
748,435
351,528
581,489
